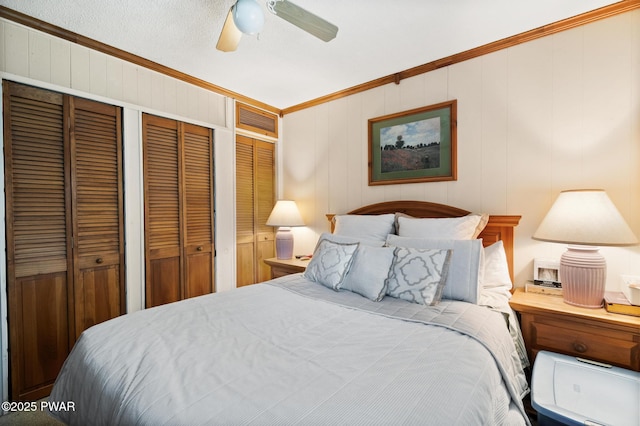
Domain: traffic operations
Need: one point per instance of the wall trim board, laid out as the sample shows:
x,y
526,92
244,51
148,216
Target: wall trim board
x,y
543,31
64,34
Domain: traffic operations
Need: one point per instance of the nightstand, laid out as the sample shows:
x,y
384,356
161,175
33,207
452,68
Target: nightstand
x,y
550,324
282,267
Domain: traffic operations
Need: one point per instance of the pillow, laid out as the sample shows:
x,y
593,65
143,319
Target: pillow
x,y
484,220
418,275
373,227
465,272
482,223
350,240
330,263
447,228
496,276
369,272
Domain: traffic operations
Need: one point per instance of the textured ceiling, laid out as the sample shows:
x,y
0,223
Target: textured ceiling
x,y
285,66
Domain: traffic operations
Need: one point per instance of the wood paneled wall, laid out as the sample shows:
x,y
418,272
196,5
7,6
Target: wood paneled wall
x,y
556,113
33,57
45,58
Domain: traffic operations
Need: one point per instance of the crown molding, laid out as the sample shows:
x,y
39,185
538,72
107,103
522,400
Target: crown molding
x,y
64,34
545,30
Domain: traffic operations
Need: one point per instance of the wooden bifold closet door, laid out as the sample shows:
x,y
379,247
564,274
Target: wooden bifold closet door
x,y
64,210
179,210
255,198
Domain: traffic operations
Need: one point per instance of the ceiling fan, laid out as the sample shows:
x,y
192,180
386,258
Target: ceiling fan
x,y
246,16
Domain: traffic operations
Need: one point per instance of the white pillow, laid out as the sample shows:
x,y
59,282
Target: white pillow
x,y
496,276
350,240
369,272
330,263
373,227
465,269
496,292
482,223
418,275
448,228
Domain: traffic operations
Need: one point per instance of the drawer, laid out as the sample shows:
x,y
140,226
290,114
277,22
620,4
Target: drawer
x,y
597,343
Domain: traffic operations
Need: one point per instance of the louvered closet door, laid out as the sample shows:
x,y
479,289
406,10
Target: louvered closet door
x,y
245,192
198,210
179,225
255,197
265,200
64,228
39,278
97,211
162,210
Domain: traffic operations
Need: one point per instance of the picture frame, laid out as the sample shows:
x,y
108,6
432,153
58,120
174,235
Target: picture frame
x,y
419,145
547,272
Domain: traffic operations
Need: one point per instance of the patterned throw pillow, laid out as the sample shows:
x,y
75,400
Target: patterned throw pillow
x,y
330,263
418,275
465,269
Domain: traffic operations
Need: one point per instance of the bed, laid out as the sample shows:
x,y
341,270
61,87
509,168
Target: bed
x,y
327,346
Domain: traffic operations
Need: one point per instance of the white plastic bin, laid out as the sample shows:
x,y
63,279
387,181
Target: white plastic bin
x,y
569,391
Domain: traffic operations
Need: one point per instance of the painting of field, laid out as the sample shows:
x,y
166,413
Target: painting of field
x,y
413,146
410,158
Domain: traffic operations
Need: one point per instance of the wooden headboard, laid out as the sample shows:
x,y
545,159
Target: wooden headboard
x,y
498,227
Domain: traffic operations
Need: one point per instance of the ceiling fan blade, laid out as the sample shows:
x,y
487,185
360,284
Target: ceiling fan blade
x,y
304,19
230,34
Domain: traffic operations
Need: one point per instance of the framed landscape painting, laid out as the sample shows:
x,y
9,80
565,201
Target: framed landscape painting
x,y
414,146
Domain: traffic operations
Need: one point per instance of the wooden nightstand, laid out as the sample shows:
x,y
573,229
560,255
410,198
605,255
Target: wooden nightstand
x,y
282,267
550,324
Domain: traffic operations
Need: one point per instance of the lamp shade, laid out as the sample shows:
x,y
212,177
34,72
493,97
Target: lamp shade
x,y
285,213
248,16
585,217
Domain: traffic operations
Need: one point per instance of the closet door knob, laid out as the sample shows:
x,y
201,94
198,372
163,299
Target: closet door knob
x,y
99,260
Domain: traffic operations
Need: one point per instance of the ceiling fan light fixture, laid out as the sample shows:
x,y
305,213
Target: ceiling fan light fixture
x,y
248,16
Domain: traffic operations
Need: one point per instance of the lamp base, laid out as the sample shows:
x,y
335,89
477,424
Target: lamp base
x,y
583,271
284,243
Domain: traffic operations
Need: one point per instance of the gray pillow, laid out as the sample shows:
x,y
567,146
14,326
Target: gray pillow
x,y
330,263
344,239
465,273
373,227
369,272
418,275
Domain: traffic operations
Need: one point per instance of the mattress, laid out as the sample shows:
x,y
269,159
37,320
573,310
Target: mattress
x,y
291,351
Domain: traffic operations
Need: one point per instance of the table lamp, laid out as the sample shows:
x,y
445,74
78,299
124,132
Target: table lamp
x,y
584,219
285,214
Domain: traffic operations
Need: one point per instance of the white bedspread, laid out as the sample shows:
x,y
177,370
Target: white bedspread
x,y
295,353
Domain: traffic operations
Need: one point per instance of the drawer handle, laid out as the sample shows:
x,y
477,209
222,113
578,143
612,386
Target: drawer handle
x,y
580,347
99,260
199,248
